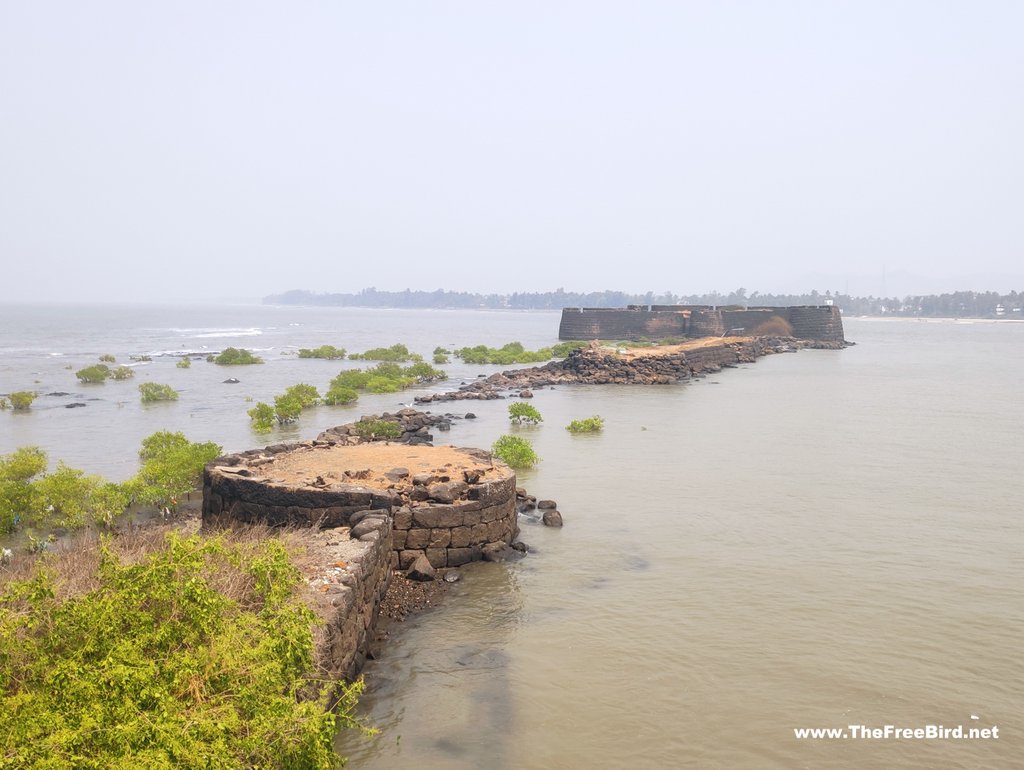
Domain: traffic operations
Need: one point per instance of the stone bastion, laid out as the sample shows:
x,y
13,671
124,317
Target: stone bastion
x,y
448,504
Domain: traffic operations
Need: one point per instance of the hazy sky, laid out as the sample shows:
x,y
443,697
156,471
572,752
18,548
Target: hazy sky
x,y
207,149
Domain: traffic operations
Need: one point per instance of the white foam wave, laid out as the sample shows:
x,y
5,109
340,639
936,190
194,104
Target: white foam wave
x,y
204,333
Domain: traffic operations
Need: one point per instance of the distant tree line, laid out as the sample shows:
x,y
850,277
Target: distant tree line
x,y
961,304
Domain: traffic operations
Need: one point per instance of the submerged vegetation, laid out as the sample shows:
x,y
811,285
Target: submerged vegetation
x,y
184,363
122,373
287,407
21,400
329,352
587,425
199,654
515,451
234,357
397,353
520,412
515,353
153,391
93,374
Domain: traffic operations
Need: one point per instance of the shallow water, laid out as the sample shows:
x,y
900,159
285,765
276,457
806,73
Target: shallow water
x,y
815,540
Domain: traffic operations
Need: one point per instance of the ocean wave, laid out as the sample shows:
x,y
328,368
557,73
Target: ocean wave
x,y
208,332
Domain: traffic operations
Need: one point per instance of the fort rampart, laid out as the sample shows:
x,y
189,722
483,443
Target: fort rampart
x,y
634,322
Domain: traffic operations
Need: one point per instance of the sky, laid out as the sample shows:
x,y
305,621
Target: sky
x,y
205,150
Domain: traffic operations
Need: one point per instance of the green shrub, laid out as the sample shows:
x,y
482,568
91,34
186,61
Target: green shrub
x,y
375,429
4,404
263,417
199,654
588,425
107,358
94,373
563,349
382,385
329,352
440,351
235,357
172,466
514,451
153,391
351,378
22,400
122,373
397,352
441,358
340,395
306,395
520,412
66,497
424,372
510,353
184,363
140,358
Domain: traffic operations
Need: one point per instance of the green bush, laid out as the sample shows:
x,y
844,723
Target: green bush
x,y
140,358
563,349
263,417
66,497
22,400
397,352
382,385
172,466
197,655
4,404
305,395
235,357
520,412
441,358
424,372
153,391
108,358
94,373
351,378
329,352
375,429
184,363
510,353
588,425
514,451
340,395
122,373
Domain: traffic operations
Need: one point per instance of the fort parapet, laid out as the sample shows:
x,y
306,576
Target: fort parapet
x,y
634,322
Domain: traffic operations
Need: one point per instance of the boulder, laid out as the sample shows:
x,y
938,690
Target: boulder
x,y
547,505
421,570
552,519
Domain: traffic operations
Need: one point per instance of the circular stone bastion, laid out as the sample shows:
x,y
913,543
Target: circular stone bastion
x,y
446,503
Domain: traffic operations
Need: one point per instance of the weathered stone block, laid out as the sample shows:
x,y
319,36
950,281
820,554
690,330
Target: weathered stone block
x,y
417,538
461,537
407,557
440,538
403,518
459,556
438,557
435,516
399,539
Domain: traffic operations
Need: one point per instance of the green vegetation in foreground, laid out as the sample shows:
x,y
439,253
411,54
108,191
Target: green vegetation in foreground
x,y
198,655
374,429
22,400
94,373
520,412
234,357
515,353
67,497
516,452
588,425
397,353
184,363
329,352
154,391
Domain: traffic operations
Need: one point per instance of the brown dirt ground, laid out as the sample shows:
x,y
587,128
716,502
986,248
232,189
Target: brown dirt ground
x,y
630,354
330,463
